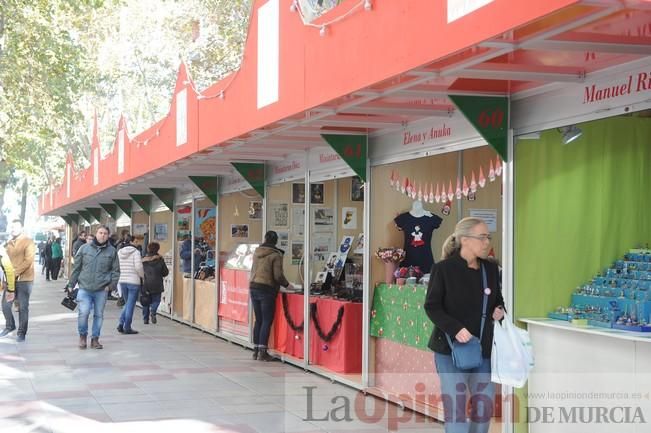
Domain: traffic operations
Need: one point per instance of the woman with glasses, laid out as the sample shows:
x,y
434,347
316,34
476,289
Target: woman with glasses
x,y
454,303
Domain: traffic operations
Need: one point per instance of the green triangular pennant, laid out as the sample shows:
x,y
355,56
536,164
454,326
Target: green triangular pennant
x,y
489,115
110,209
74,217
352,149
143,200
86,215
125,205
166,195
253,173
67,219
96,212
209,185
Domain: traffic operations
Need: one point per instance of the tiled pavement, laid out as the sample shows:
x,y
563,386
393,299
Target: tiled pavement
x,y
168,378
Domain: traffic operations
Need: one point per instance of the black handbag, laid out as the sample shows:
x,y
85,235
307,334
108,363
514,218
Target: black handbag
x,y
145,299
120,302
69,301
466,356
70,304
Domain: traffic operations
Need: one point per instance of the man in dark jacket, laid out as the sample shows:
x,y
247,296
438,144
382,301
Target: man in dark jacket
x,y
96,268
81,240
266,278
155,270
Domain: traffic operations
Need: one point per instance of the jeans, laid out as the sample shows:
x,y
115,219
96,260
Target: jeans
x,y
87,299
130,295
456,385
264,307
23,292
151,308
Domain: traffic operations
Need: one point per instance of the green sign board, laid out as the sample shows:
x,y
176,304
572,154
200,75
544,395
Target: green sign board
x,y
86,215
253,173
143,200
96,212
209,185
111,209
125,205
73,217
489,115
352,149
166,195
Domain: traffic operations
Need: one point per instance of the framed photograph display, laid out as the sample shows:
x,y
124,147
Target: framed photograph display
x,y
316,193
297,253
255,210
356,189
240,231
298,193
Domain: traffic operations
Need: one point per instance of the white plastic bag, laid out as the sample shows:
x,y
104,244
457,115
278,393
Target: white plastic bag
x,y
512,355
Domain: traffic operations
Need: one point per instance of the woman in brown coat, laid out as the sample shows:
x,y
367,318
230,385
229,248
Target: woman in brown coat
x,y
266,278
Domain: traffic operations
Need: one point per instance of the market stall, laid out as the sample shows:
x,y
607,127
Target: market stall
x,y
587,238
240,232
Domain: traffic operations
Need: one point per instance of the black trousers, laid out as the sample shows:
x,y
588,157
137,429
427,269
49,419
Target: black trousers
x,y
53,269
264,307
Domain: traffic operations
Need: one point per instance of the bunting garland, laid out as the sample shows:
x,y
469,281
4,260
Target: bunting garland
x,y
435,192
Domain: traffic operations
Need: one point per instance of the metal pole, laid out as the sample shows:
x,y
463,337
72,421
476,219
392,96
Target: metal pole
x,y
508,259
366,285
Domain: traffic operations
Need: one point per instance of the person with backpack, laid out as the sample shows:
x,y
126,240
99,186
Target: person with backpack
x,y
155,270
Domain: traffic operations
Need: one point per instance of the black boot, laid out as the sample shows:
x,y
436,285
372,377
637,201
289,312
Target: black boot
x,y
263,355
255,353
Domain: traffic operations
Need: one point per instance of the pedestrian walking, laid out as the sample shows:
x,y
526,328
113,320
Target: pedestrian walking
x,y
96,268
81,239
22,252
55,261
155,270
131,273
47,264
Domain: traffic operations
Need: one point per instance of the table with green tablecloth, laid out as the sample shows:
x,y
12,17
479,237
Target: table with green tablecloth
x,y
398,315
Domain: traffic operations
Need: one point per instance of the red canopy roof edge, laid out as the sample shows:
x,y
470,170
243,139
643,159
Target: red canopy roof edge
x,y
363,49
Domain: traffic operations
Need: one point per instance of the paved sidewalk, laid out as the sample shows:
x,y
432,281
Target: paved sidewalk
x,y
168,378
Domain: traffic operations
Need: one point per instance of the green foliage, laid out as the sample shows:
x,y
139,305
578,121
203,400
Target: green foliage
x,y
61,60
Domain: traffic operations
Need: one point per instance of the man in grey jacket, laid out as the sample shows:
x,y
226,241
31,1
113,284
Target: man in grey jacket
x,y
96,268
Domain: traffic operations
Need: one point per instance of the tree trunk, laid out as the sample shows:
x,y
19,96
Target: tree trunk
x,y
23,201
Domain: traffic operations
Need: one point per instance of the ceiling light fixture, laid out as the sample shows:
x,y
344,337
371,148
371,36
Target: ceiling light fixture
x,y
570,133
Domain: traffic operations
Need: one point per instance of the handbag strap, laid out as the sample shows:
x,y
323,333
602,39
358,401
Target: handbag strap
x,y
483,308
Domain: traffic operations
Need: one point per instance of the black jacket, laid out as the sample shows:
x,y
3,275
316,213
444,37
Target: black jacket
x,y
454,301
155,269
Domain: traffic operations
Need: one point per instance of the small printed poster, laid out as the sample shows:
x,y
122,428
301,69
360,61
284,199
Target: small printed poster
x,y
239,231
160,232
255,210
283,239
349,218
139,229
205,225
279,215
324,219
359,248
297,253
298,221
321,246
488,215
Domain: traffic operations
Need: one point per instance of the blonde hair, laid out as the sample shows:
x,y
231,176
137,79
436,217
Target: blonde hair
x,y
464,227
